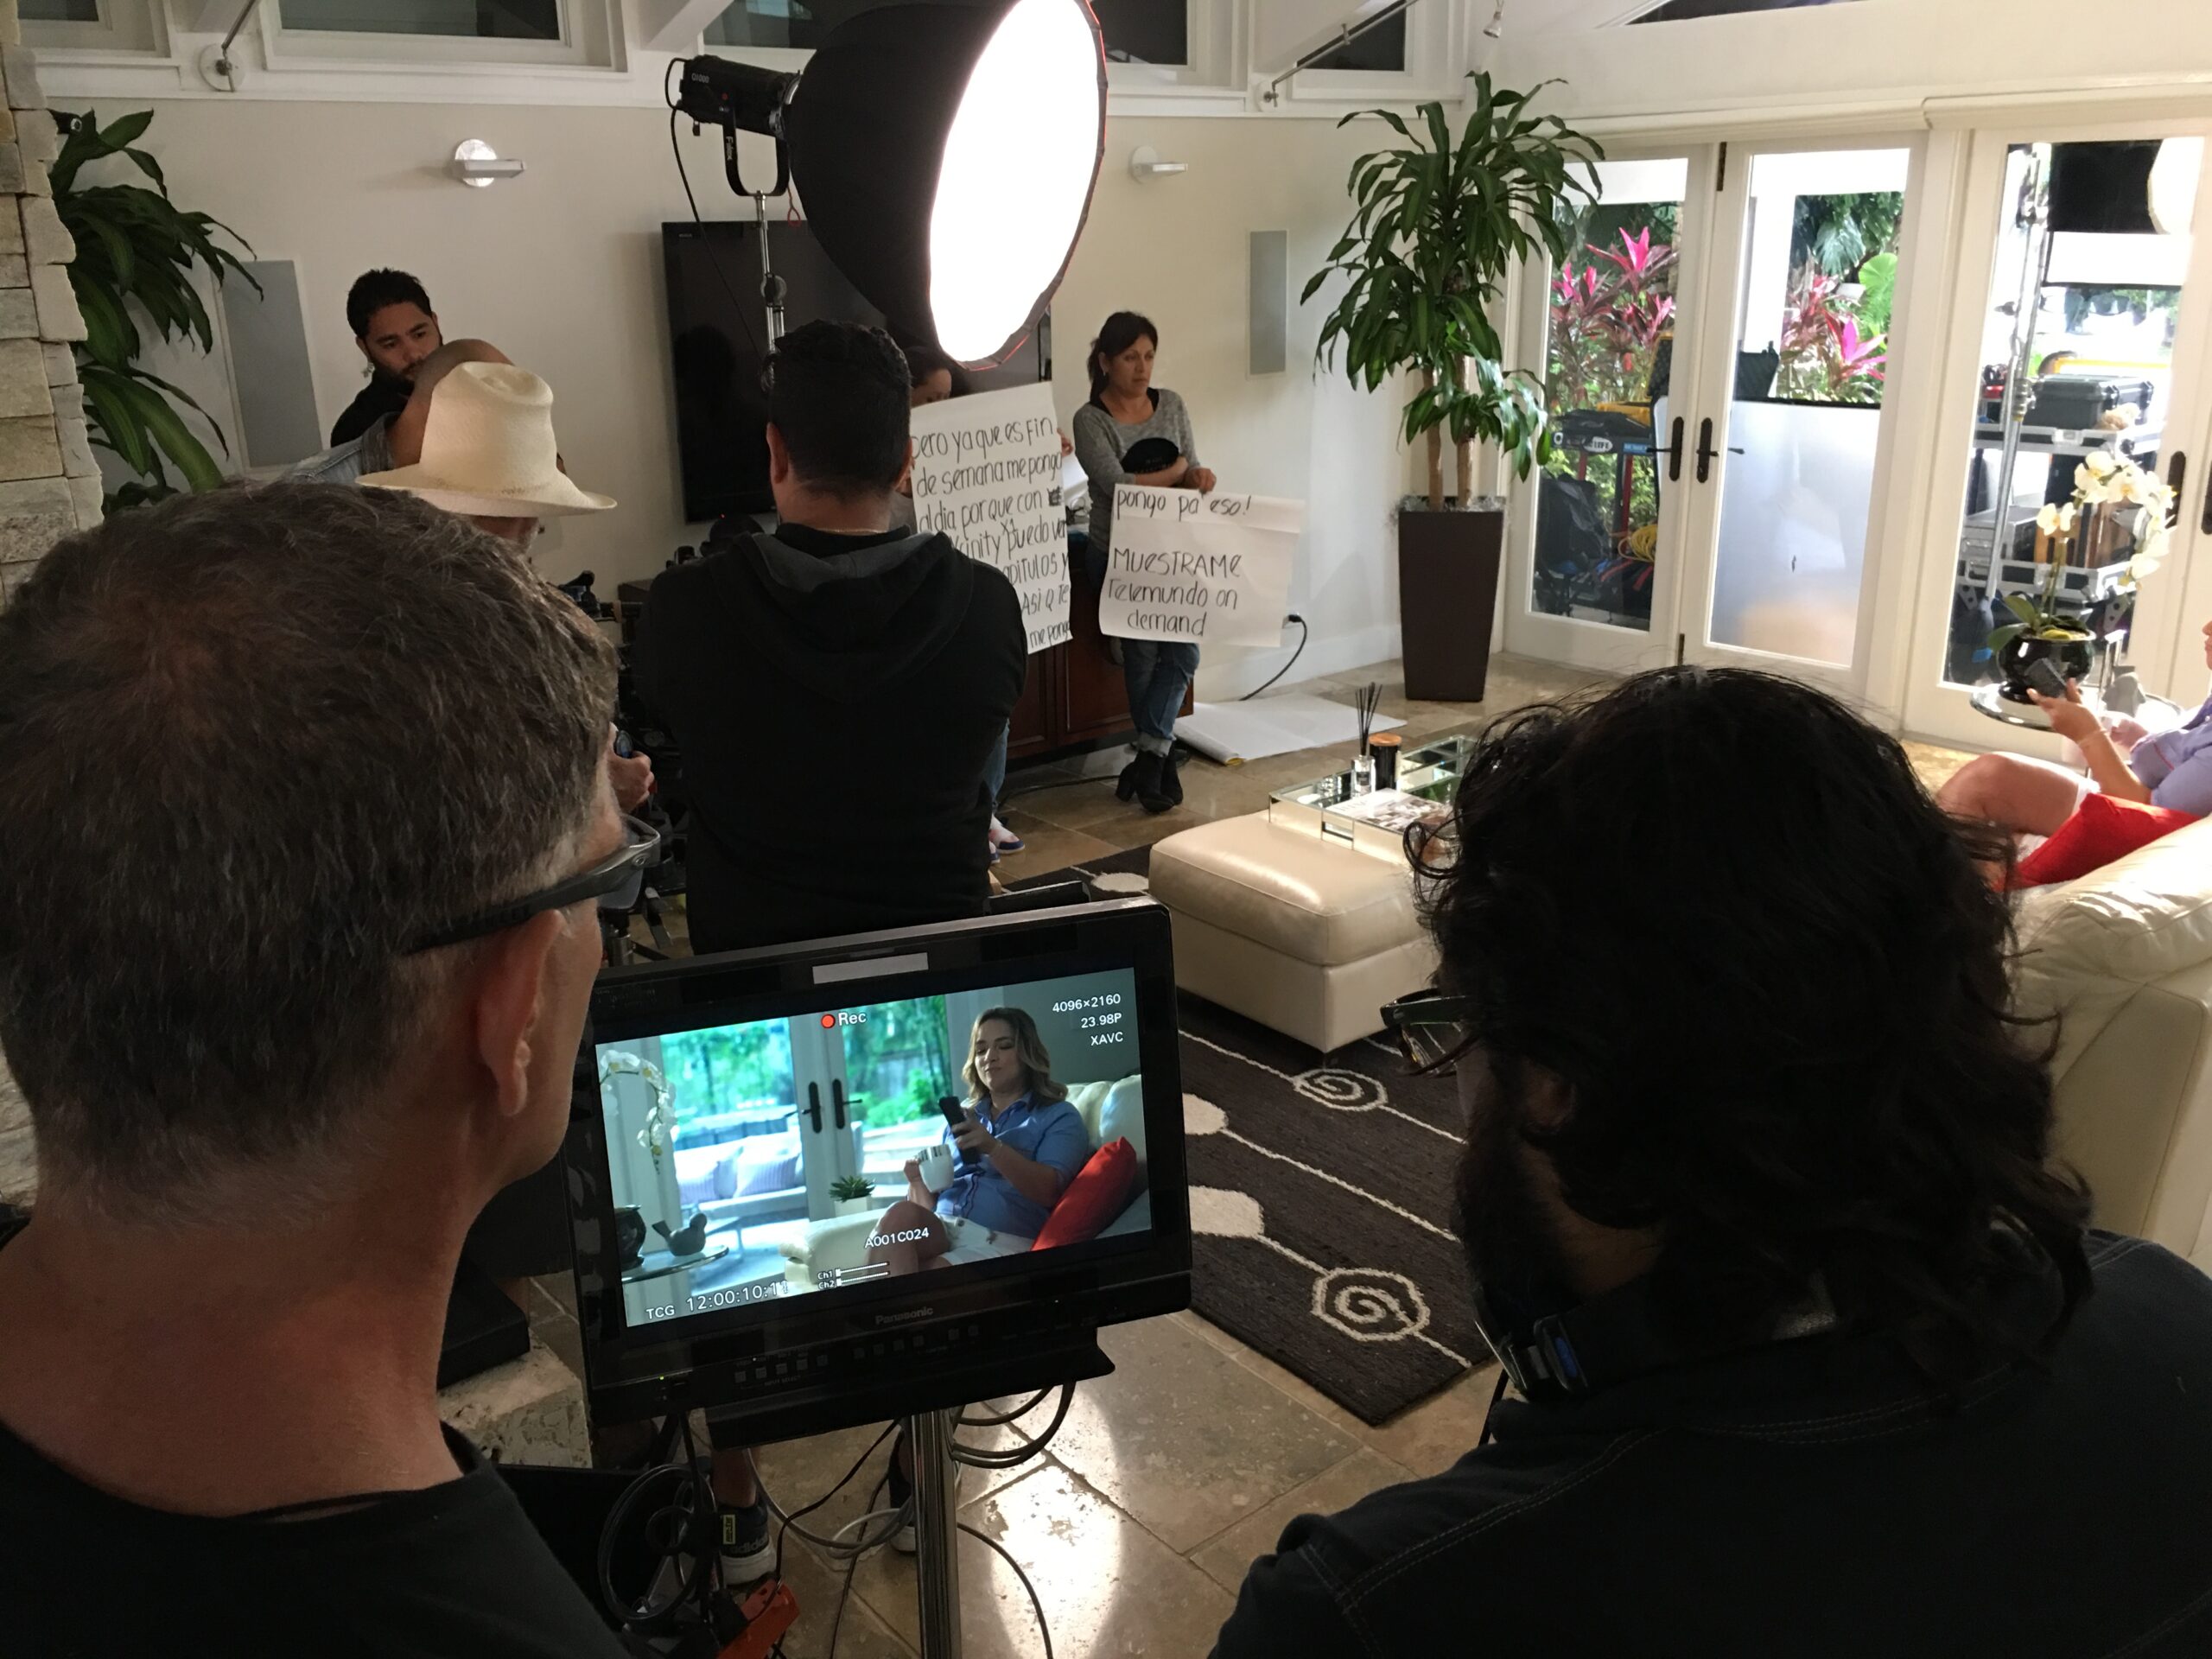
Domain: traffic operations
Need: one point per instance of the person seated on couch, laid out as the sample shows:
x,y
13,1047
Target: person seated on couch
x,y
1030,1143
2127,760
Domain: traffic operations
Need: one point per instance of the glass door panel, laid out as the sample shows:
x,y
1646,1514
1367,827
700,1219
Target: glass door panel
x,y
2088,329
1596,533
1815,264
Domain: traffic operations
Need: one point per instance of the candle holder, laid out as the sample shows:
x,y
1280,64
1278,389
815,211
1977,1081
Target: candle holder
x,y
1382,748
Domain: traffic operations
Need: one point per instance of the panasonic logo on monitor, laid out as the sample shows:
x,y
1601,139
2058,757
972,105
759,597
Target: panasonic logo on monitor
x,y
908,1318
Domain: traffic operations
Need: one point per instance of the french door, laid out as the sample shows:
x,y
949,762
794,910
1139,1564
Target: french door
x,y
1716,364
2081,321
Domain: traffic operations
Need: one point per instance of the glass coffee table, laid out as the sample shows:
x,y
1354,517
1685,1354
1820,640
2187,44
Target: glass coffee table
x,y
1375,821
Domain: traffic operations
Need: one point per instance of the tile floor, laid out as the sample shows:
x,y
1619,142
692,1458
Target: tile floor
x,y
1170,1477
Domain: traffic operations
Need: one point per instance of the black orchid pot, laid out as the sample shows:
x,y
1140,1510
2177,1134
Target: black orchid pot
x,y
2073,656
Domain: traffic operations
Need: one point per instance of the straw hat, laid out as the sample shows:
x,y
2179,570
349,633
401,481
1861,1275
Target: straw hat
x,y
488,449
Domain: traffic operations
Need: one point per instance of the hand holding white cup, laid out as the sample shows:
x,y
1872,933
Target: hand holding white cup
x,y
937,1166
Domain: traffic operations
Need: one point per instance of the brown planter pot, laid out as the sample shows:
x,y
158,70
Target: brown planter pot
x,y
1447,594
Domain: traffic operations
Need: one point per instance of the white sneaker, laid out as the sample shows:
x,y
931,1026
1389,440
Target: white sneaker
x,y
901,1497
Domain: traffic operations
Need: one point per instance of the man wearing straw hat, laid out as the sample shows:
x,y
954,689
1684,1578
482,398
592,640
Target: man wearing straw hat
x,y
486,450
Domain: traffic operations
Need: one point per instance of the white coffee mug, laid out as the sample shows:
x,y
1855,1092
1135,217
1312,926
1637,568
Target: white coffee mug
x,y
938,1170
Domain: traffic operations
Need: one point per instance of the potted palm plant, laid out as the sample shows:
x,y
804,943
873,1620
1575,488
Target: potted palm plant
x,y
136,250
1437,225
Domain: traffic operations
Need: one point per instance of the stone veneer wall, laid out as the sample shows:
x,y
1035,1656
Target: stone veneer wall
x,y
49,481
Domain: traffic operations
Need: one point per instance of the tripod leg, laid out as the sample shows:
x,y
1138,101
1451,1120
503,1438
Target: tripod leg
x,y
936,1533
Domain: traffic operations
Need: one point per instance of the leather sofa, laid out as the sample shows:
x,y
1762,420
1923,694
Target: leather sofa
x,y
2122,960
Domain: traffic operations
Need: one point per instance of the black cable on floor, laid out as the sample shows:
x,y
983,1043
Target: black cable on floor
x,y
1036,1601
1303,634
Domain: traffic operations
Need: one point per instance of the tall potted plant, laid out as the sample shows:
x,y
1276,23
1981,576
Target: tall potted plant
x,y
1437,225
136,251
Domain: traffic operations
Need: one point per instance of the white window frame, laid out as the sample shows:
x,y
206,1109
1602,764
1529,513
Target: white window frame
x,y
591,39
1436,59
137,28
1213,49
1212,30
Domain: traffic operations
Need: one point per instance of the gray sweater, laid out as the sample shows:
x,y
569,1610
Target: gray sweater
x,y
1100,441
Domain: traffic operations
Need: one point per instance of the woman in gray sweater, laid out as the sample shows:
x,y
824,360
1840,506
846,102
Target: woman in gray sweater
x,y
1132,432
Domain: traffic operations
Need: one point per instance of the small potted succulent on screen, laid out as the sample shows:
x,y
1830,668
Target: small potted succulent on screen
x,y
853,1194
2116,505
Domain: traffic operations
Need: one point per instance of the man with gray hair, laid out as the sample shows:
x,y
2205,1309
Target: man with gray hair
x,y
295,947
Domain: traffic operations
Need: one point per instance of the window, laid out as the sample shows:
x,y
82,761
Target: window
x,y
796,23
1381,48
1156,31
482,20
1675,11
580,33
1146,31
92,25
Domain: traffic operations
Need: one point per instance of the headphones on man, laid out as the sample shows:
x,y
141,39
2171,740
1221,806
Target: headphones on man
x,y
1615,1337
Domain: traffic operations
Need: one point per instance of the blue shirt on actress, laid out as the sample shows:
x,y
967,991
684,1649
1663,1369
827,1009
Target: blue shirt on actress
x,y
1052,1134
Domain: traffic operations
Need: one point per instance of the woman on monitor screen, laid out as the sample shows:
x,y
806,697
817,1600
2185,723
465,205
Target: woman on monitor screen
x,y
1133,432
1025,1142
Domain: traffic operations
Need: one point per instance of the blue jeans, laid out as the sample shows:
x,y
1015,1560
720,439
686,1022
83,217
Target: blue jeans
x,y
1159,672
995,768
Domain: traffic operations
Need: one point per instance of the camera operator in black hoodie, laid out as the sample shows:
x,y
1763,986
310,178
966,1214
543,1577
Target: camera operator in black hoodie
x,y
836,686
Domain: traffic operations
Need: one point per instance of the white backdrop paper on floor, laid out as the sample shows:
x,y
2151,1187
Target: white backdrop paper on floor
x,y
987,472
1231,731
1210,570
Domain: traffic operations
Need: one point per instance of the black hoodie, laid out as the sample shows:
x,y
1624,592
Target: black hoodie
x,y
835,698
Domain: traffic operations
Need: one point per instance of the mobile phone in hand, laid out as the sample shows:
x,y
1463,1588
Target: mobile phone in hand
x,y
2043,674
955,1117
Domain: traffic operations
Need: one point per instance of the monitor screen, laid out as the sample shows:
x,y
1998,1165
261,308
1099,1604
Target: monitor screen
x,y
712,1145
717,332
764,1158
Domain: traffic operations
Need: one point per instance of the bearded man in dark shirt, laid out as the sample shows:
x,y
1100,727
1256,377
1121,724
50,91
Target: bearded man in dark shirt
x,y
303,805
1817,1357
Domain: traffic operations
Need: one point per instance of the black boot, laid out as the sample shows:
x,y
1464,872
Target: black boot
x,y
1153,785
1140,780
1171,776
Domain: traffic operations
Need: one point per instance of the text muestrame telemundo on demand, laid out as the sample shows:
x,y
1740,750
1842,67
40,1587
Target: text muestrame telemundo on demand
x,y
1213,569
987,472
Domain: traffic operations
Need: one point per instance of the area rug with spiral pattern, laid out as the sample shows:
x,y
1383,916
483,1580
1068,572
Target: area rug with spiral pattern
x,y
1320,1200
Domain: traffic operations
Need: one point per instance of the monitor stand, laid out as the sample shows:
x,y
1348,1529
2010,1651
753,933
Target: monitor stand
x,y
937,1511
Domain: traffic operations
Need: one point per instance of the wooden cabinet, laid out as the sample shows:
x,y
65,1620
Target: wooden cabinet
x,y
1075,696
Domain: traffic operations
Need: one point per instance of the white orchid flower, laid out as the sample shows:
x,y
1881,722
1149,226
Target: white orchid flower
x,y
2047,520
2102,462
2142,566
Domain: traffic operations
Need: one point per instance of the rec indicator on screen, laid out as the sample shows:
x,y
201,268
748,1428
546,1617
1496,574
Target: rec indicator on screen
x,y
831,1022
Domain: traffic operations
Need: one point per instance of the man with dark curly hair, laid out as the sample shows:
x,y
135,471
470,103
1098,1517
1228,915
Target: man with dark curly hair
x,y
1815,1354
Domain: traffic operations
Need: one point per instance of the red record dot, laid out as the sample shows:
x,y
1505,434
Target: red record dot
x,y
828,1022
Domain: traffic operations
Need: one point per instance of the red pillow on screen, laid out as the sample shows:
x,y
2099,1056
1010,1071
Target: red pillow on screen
x,y
2102,829
1099,1192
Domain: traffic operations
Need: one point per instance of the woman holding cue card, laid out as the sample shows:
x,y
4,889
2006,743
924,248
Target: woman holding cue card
x,y
1133,432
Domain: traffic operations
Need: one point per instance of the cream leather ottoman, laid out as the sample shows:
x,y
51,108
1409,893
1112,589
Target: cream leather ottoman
x,y
1309,937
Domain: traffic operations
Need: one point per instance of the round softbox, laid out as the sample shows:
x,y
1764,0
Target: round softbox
x,y
944,157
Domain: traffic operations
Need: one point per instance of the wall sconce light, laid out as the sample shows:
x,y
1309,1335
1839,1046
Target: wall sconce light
x,y
1145,163
476,164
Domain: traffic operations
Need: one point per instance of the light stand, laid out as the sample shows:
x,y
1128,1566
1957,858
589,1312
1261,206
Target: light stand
x,y
936,1532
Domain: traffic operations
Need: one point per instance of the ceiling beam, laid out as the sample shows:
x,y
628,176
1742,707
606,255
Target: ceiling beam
x,y
675,25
